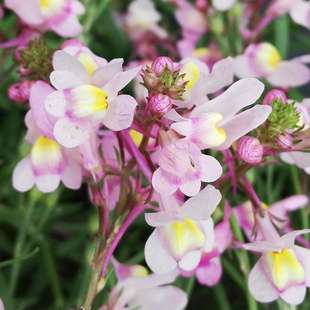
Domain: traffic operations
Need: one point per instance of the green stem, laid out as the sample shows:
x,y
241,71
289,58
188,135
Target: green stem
x,y
19,246
244,261
221,297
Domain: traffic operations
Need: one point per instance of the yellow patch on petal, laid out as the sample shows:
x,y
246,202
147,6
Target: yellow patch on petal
x,y
136,136
46,152
192,74
264,206
211,134
183,236
285,268
51,7
88,62
89,100
268,56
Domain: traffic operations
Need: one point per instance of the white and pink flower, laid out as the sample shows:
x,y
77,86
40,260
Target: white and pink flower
x,y
283,270
263,60
182,166
48,163
182,233
60,16
218,123
86,95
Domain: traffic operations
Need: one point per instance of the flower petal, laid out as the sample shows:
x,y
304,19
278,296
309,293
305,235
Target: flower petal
x,y
63,61
47,183
28,11
156,257
72,175
191,188
120,80
223,5
294,295
120,113
211,168
222,75
68,27
69,134
300,13
55,104
290,74
63,80
104,74
304,257
210,274
158,219
239,95
38,94
201,206
243,123
190,260
162,185
260,286
23,178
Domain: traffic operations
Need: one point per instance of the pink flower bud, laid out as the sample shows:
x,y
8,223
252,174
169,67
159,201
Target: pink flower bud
x,y
250,150
160,104
160,63
275,94
285,141
20,92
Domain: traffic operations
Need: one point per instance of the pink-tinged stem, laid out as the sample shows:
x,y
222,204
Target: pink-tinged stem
x,y
229,160
132,215
136,154
251,192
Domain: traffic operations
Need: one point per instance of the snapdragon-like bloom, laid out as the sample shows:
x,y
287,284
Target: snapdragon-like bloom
x,y
182,233
48,162
182,166
283,270
264,60
57,15
217,123
87,96
147,293
142,17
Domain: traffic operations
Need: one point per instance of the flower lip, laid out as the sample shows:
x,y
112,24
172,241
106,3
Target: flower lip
x,y
46,156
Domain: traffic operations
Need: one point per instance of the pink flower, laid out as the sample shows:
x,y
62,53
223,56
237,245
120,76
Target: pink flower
x,y
264,60
48,162
59,16
283,270
217,123
87,95
182,166
182,233
146,293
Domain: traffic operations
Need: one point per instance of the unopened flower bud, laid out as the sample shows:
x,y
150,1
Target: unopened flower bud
x,y
160,63
20,92
285,141
250,150
275,94
160,104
